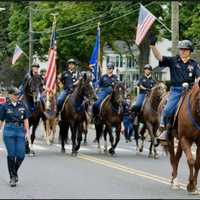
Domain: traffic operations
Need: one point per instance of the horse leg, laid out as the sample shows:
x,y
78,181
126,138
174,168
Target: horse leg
x,y
47,131
73,138
150,130
62,136
79,137
105,140
174,159
33,139
142,132
197,166
136,136
109,130
153,142
186,146
99,130
85,132
118,129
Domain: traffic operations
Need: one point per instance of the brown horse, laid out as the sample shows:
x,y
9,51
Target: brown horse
x,y
187,131
149,117
111,117
73,113
50,119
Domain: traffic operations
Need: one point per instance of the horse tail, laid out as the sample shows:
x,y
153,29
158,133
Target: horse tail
x,y
63,133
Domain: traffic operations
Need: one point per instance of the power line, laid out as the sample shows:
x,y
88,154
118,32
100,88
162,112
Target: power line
x,y
107,22
84,22
114,19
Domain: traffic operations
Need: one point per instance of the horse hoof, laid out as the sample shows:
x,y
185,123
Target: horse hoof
x,y
111,151
175,184
150,156
62,150
156,156
196,192
191,188
141,150
74,153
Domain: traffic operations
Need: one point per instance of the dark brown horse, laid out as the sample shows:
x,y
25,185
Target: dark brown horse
x,y
187,131
111,117
149,117
73,113
32,93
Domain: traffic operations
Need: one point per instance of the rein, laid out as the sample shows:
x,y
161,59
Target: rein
x,y
194,122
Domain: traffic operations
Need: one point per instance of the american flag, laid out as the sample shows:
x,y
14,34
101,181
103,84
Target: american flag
x,y
50,76
18,52
145,21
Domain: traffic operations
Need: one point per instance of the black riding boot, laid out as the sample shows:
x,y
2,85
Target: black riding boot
x,y
11,169
18,162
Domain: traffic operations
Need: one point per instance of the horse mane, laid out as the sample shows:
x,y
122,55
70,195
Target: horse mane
x,y
154,97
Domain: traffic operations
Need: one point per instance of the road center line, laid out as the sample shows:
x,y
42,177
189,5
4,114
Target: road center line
x,y
128,170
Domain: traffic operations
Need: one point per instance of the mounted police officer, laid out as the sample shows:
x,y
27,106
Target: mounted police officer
x,y
15,116
145,83
69,78
106,84
183,69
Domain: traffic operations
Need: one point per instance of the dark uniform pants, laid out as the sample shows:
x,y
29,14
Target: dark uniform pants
x,y
14,139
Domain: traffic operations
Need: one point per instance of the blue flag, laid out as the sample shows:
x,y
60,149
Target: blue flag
x,y
94,60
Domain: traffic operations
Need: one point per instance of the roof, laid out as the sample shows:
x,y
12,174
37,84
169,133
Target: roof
x,y
121,47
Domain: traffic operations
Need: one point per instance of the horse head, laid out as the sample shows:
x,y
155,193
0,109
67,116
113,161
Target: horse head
x,y
159,89
85,85
33,88
118,93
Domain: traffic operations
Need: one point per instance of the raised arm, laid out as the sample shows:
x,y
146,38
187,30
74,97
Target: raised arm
x,y
156,52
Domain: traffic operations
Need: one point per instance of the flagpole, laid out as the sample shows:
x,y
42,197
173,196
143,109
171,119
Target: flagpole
x,y
99,52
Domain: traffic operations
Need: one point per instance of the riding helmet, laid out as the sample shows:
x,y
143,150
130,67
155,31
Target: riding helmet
x,y
71,60
185,44
110,65
13,91
35,65
148,66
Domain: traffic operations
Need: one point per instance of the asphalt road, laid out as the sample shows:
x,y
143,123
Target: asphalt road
x,y
52,174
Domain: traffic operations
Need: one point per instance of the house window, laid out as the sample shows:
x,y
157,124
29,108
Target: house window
x,y
107,59
117,61
129,62
121,61
121,77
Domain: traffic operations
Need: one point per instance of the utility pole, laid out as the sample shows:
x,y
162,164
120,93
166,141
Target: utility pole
x,y
30,36
175,26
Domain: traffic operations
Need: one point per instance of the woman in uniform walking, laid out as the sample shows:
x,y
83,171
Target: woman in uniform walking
x,y
15,116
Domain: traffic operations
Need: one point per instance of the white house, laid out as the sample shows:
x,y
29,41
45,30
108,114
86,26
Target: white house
x,y
124,61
